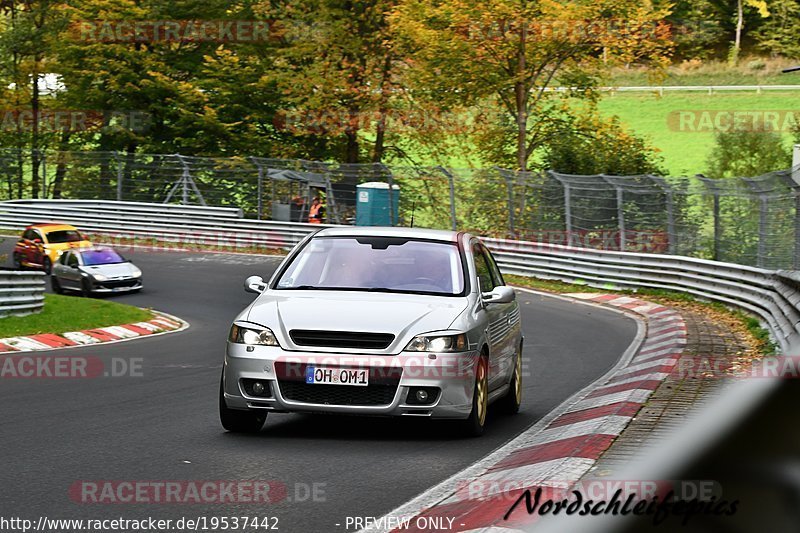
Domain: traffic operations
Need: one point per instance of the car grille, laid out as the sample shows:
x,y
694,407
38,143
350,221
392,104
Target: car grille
x,y
341,339
113,284
383,383
338,394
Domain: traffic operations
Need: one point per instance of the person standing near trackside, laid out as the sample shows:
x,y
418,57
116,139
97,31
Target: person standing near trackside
x,y
316,211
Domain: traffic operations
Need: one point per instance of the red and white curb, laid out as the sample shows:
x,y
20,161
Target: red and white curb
x,y
561,448
161,324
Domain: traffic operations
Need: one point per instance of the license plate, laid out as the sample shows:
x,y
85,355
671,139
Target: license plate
x,y
321,375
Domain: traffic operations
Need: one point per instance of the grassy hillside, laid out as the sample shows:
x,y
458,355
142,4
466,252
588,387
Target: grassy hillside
x,y
684,151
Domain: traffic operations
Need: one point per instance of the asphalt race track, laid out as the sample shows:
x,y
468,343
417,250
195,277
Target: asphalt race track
x,y
163,425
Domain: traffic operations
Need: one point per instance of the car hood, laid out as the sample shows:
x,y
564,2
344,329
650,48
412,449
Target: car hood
x,y
402,315
116,270
68,245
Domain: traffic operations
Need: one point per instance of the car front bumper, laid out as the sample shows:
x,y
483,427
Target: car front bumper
x,y
107,287
452,373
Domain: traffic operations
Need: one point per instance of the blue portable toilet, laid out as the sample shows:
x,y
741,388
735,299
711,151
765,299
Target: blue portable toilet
x,y
374,205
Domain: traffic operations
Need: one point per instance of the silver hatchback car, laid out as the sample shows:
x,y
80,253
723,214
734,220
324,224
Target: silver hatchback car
x,y
96,270
376,321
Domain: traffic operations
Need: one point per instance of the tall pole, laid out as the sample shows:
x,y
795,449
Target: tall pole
x,y
796,179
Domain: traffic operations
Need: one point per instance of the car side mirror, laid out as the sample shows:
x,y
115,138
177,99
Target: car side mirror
x,y
499,295
255,284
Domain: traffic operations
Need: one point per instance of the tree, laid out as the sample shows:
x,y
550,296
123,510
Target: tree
x,y
763,11
511,53
597,145
334,69
698,28
26,44
778,33
745,153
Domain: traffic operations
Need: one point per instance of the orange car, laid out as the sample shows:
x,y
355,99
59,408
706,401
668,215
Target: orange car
x,y
42,244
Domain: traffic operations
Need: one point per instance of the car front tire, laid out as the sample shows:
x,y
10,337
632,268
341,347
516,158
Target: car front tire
x,y
18,261
56,285
474,425
86,288
238,421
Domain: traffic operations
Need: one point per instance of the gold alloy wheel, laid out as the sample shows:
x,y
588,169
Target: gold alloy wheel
x,y
481,389
518,379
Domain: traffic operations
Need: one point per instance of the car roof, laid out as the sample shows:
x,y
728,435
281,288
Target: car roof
x,y
93,249
52,226
387,231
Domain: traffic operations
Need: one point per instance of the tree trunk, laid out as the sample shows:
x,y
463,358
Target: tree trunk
x,y
351,133
521,97
35,152
61,166
127,173
383,109
737,45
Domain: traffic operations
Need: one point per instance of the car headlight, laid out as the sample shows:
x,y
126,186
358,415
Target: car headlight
x,y
252,336
438,343
136,273
99,277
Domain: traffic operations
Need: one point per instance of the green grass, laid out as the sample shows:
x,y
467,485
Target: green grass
x,y
749,71
72,313
686,152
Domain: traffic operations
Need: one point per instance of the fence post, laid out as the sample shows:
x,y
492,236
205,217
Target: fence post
x,y
712,187
260,208
762,231
621,219
44,173
510,189
390,179
672,236
120,175
796,179
185,183
567,213
452,185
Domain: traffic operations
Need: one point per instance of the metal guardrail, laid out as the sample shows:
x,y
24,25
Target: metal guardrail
x,y
773,296
21,293
138,207
191,224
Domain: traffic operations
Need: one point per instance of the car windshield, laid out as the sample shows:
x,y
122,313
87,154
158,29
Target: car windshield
x,y
101,257
64,235
379,264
